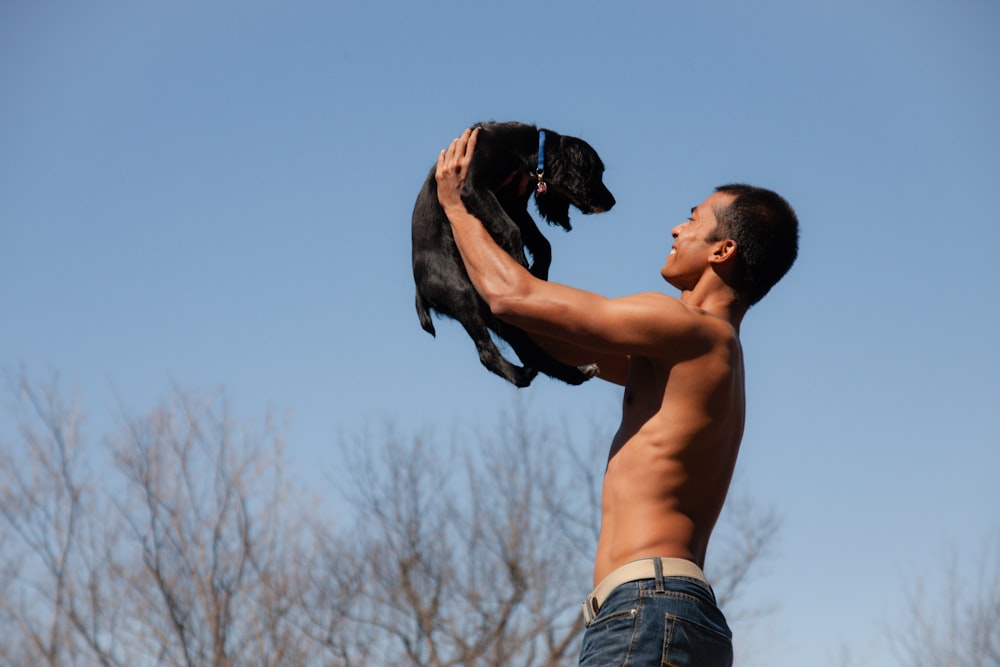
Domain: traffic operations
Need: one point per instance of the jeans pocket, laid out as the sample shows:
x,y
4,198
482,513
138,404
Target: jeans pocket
x,y
689,643
608,639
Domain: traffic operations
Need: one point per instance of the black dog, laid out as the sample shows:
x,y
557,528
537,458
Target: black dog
x,y
511,160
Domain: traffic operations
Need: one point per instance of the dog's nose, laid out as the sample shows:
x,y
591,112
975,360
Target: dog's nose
x,y
608,203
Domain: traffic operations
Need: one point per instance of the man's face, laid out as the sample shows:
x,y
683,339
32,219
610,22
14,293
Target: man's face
x,y
691,250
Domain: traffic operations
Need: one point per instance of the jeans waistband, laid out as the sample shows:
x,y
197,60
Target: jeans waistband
x,y
644,568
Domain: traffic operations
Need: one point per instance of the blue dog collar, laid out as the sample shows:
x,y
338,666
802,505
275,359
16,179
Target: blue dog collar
x,y
540,172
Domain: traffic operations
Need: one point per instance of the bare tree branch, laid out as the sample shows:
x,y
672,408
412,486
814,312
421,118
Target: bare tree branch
x,y
56,537
953,620
745,538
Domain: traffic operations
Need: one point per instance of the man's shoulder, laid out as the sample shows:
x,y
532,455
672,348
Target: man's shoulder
x,y
653,300
673,327
661,304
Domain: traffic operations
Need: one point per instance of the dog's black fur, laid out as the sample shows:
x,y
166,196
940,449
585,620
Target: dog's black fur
x,y
499,182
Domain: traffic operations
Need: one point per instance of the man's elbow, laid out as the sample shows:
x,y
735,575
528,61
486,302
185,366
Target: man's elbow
x,y
507,302
504,304
506,296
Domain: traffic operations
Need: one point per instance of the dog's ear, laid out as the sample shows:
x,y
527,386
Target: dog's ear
x,y
554,208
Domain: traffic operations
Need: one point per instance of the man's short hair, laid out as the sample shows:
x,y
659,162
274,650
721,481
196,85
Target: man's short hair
x,y
766,231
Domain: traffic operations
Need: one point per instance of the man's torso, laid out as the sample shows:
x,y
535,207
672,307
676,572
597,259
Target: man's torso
x,y
672,459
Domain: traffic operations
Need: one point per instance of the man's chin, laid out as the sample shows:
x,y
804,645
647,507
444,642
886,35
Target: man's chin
x,y
671,279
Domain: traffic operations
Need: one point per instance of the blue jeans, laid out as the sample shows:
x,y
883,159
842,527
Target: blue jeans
x,y
673,622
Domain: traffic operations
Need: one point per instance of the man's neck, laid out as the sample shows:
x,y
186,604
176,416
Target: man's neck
x,y
714,298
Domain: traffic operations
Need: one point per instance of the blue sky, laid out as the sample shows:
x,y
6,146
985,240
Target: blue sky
x,y
218,195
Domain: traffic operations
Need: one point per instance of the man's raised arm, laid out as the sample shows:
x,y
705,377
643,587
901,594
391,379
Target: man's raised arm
x,y
494,273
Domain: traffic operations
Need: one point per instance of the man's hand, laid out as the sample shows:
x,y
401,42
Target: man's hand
x,y
452,168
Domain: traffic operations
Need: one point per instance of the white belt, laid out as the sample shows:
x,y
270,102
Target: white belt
x,y
637,570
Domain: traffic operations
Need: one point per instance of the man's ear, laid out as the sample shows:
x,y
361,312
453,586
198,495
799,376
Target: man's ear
x,y
725,251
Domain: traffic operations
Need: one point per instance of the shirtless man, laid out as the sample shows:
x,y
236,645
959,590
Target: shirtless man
x,y
681,364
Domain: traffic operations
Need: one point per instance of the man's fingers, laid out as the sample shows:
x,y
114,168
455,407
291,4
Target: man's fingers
x,y
463,147
454,150
457,157
471,144
457,147
455,153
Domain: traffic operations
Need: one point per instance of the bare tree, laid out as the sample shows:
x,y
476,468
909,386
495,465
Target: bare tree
x,y
56,541
745,538
464,560
953,620
220,566
182,552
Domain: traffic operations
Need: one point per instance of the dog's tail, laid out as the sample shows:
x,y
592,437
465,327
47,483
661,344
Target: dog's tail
x,y
424,313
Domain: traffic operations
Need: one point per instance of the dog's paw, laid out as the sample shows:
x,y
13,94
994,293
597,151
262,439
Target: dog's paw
x,y
524,377
590,370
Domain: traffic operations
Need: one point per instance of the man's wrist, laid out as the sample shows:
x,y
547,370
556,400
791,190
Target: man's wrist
x,y
454,209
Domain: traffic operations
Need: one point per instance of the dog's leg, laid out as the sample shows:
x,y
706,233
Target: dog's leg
x,y
531,354
492,359
537,245
485,206
458,299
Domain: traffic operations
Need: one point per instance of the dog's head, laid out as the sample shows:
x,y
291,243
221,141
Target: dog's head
x,y
573,174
